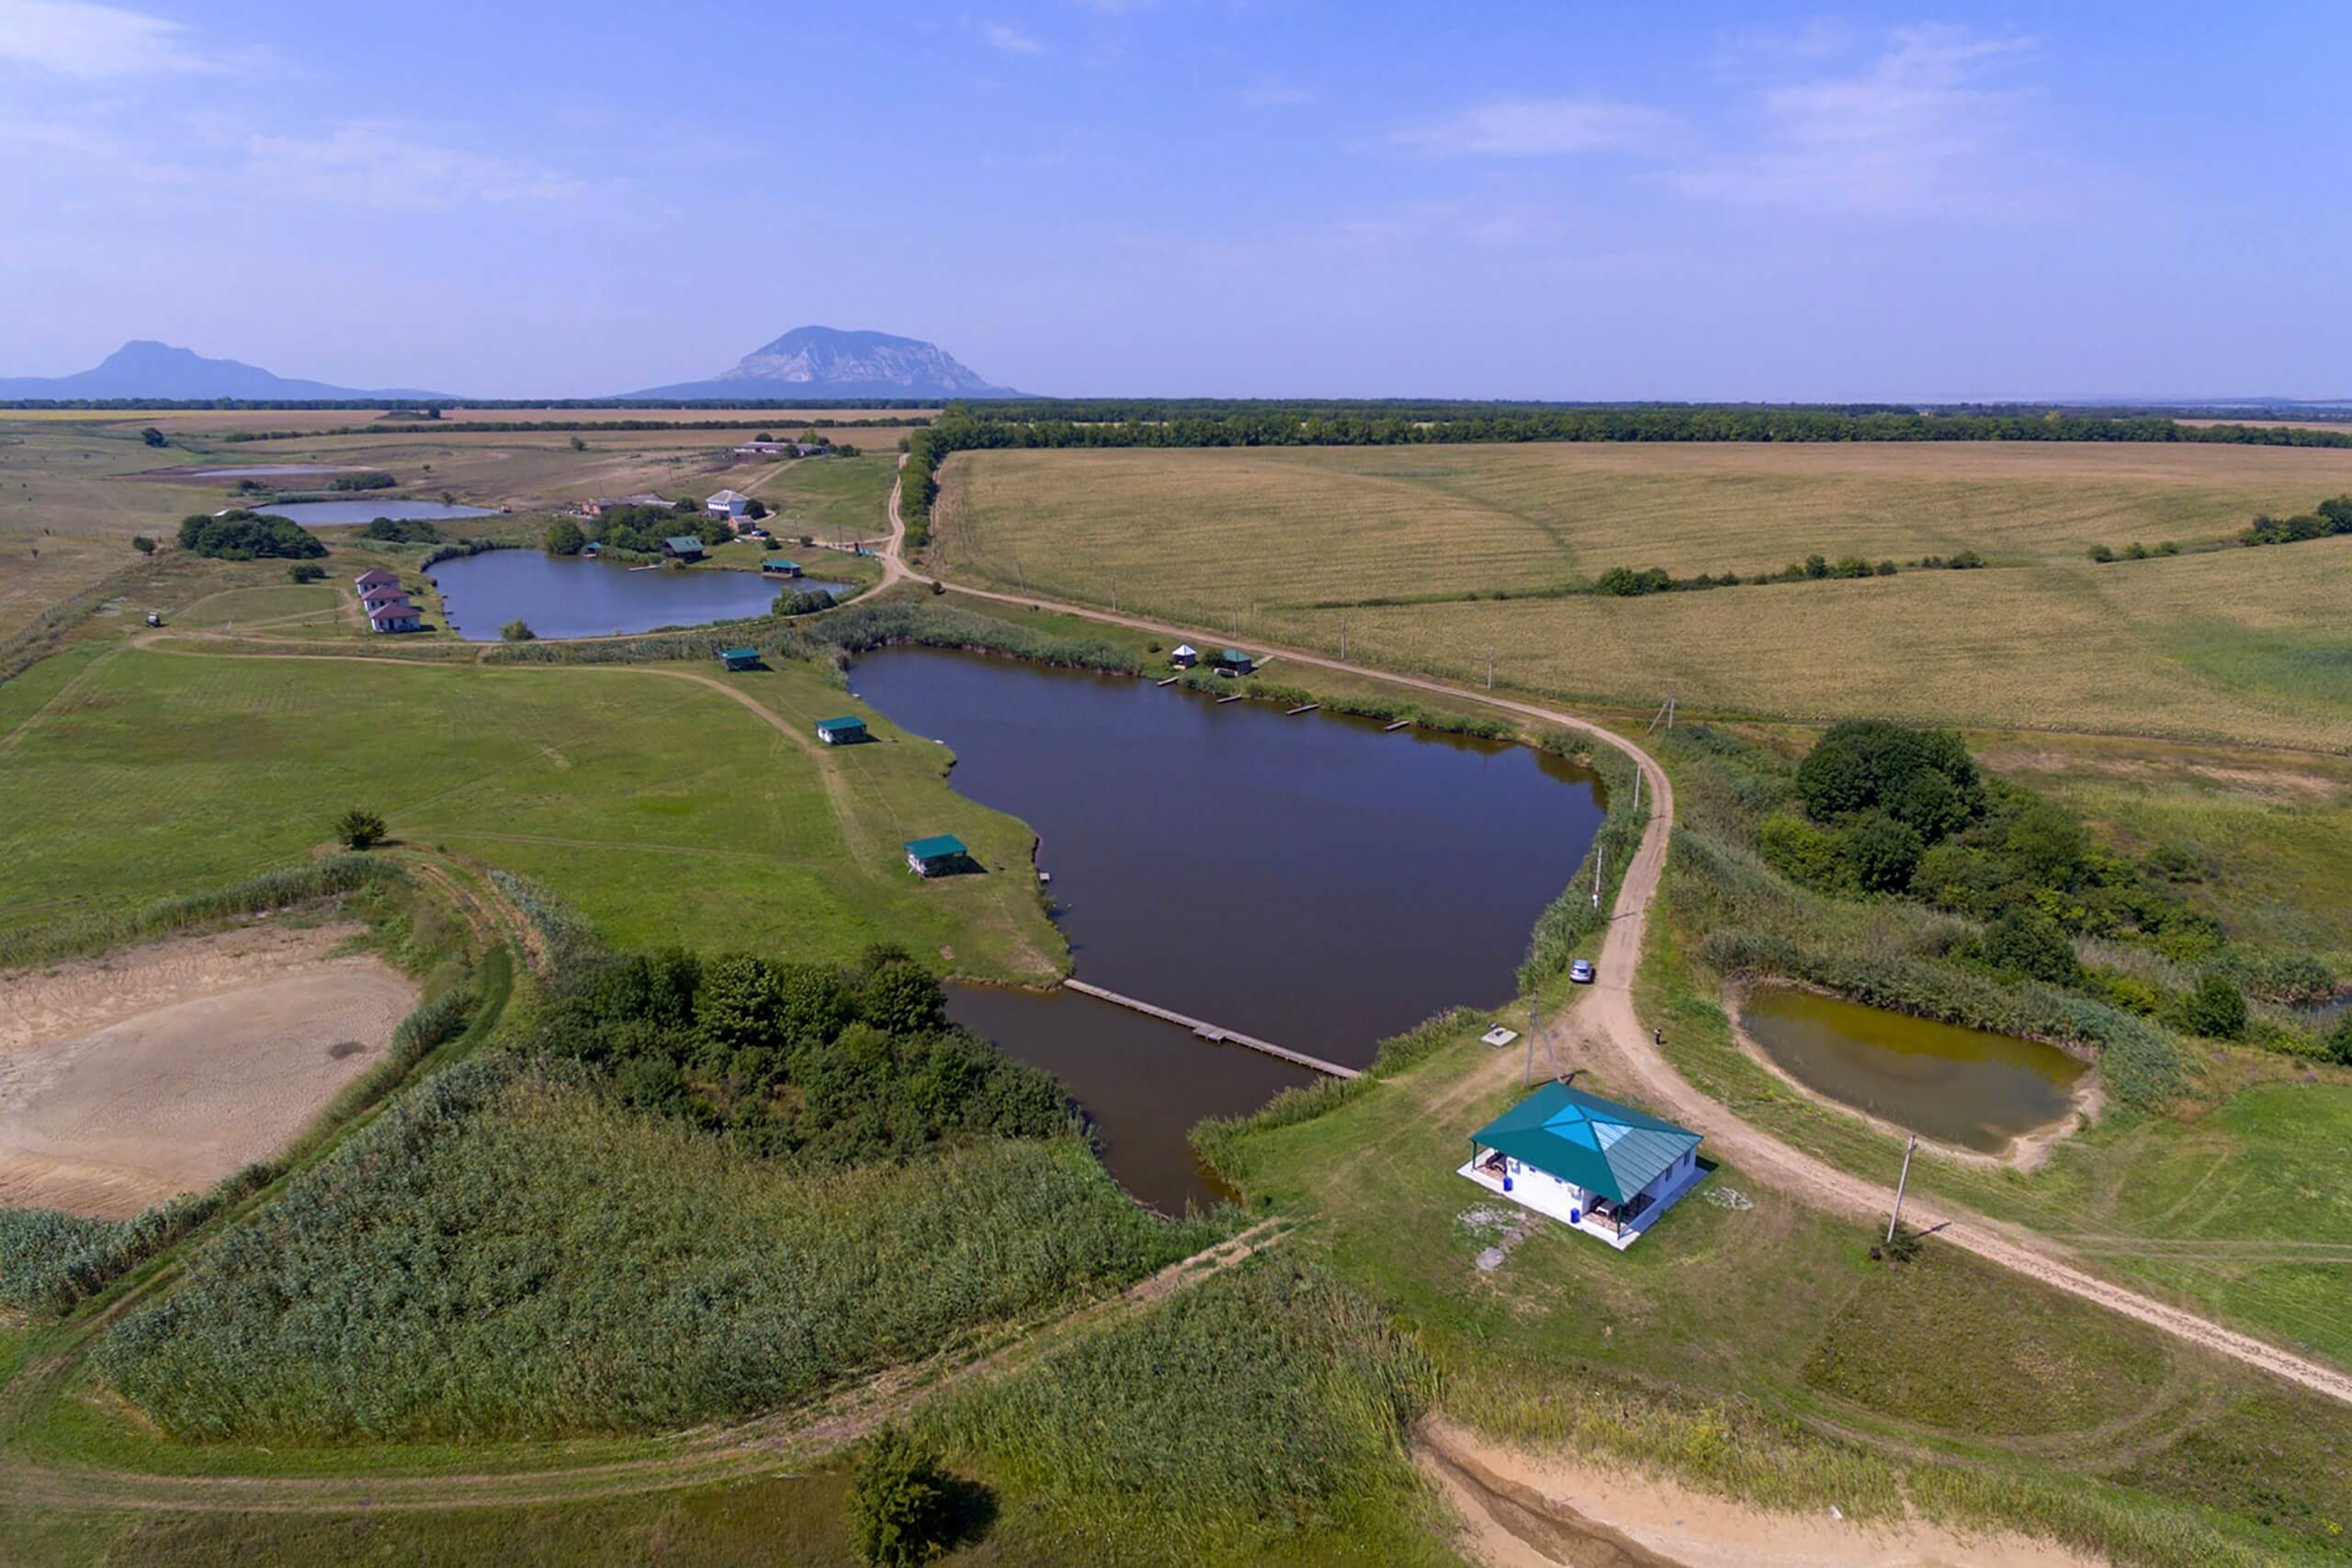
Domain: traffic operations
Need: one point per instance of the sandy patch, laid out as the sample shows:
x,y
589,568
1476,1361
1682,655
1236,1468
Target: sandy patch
x,y
1524,1510
126,1079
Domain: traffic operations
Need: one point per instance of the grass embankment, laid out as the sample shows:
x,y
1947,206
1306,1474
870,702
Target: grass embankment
x,y
2227,645
665,810
1726,1347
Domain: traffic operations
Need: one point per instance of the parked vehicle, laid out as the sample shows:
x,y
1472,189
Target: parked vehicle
x,y
1581,971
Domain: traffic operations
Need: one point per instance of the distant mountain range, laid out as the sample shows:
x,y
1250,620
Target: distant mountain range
x,y
142,369
824,362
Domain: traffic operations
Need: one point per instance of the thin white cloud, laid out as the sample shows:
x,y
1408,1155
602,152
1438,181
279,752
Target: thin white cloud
x,y
1929,126
379,164
1543,128
96,42
1011,40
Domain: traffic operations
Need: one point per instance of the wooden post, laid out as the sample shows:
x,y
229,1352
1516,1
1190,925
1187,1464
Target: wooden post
x,y
1490,669
1900,1182
1343,637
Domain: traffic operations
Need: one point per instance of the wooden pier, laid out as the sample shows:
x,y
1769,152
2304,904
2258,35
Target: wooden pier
x,y
1210,1032
1400,724
1234,698
1303,707
1169,682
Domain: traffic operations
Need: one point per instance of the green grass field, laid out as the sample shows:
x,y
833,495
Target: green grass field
x,y
833,497
2237,645
665,811
1748,1344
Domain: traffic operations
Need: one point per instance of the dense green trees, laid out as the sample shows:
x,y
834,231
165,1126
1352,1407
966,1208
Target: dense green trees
x,y
2332,517
374,478
899,1511
564,537
304,571
1925,777
642,529
246,535
142,544
829,1066
402,530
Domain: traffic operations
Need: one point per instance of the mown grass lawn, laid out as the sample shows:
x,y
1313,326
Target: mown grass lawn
x,y
666,812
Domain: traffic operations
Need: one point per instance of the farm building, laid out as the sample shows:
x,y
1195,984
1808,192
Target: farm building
x,y
683,547
597,507
1233,662
400,616
777,566
1185,656
935,856
374,577
740,658
727,503
1595,1166
841,731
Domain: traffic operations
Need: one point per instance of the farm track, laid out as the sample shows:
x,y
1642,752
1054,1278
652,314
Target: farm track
x,y
699,1457
1606,1032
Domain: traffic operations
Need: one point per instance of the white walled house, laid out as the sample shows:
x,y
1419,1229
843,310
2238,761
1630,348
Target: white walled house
x,y
1593,1165
728,504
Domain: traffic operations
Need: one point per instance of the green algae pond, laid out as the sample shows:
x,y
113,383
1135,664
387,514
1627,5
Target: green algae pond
x,y
1968,1088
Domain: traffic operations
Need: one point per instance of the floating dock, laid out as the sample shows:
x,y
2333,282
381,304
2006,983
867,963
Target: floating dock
x,y
1400,724
1169,682
1234,698
1303,707
1210,1032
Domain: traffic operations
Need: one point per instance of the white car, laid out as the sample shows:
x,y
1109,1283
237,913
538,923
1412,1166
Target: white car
x,y
1581,971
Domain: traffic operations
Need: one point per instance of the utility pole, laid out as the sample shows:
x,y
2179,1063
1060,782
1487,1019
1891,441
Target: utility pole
x,y
1343,637
1527,1072
1490,669
1115,591
1023,572
1900,1182
1597,858
1637,789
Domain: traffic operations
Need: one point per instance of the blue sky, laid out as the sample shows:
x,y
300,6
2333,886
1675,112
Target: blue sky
x,y
1251,197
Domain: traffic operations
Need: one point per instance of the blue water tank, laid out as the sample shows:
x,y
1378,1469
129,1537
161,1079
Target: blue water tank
x,y
1576,1216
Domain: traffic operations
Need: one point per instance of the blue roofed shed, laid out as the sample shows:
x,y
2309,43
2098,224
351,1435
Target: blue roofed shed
x,y
1604,1168
840,731
740,658
683,547
934,856
779,567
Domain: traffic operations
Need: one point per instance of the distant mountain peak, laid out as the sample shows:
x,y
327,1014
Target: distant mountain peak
x,y
827,361
146,368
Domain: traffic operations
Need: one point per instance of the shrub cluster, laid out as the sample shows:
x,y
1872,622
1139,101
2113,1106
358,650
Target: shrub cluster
x,y
641,529
240,534
2135,551
374,478
51,1261
2331,517
402,530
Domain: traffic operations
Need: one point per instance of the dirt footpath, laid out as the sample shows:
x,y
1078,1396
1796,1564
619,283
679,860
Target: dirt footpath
x,y
126,1079
1526,1510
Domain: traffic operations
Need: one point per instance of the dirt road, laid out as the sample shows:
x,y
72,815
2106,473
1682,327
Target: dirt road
x,y
1605,1032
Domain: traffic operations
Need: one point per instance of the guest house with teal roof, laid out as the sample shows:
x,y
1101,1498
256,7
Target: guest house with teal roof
x,y
1595,1166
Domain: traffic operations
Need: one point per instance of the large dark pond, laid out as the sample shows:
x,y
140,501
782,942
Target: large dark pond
x,y
1313,881
1959,1086
369,510
581,596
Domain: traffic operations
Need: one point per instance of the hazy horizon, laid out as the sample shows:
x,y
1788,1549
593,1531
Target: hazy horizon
x,y
1123,197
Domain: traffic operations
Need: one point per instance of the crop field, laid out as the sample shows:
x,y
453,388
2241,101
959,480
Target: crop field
x,y
665,811
2241,645
65,524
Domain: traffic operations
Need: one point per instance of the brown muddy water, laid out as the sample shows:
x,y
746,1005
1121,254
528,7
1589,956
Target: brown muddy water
x,y
1312,881
1968,1088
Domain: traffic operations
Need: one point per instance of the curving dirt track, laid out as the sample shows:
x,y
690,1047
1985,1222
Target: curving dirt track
x,y
1604,1031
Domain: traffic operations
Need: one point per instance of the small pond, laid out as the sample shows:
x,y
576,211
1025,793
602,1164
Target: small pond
x,y
1312,881
579,596
369,510
1963,1086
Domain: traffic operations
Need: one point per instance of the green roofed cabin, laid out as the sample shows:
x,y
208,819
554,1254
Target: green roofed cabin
x,y
935,856
740,658
776,566
1233,662
841,732
683,547
1595,1166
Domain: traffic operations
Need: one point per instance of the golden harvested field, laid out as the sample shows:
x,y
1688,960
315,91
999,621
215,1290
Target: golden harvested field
x,y
65,524
2242,645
